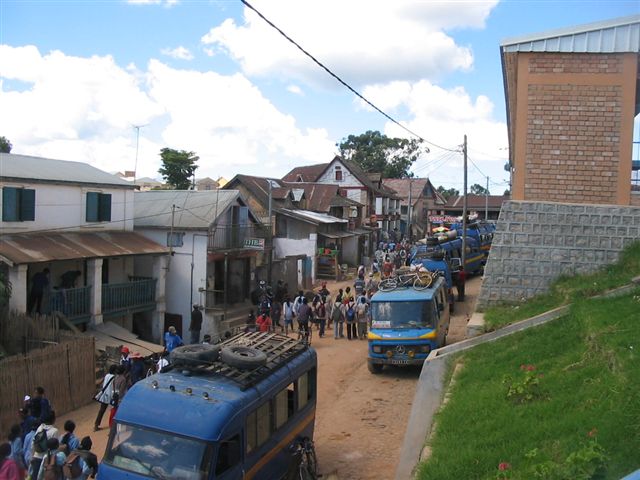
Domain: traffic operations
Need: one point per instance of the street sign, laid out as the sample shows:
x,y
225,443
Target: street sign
x,y
253,243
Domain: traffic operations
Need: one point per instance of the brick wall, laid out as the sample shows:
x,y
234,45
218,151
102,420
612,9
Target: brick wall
x,y
576,63
573,150
535,242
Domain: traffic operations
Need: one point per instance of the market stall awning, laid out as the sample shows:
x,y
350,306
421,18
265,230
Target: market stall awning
x,y
337,234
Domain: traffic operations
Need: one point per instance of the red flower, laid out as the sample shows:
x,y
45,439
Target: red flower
x,y
502,466
592,433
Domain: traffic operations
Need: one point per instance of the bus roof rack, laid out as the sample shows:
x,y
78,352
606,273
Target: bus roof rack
x,y
278,348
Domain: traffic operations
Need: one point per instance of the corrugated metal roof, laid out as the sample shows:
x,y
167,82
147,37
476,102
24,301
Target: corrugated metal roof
x,y
194,209
611,36
34,248
40,169
315,216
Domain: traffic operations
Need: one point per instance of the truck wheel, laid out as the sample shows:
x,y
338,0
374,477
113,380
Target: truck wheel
x,y
242,357
194,354
374,367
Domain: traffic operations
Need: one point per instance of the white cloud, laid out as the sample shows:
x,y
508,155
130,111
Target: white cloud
x,y
167,3
443,116
295,89
364,41
84,109
180,53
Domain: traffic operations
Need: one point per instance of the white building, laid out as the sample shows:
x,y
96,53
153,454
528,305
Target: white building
x,y
77,222
215,244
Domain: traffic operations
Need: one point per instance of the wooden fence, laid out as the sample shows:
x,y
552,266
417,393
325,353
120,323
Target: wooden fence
x,y
64,367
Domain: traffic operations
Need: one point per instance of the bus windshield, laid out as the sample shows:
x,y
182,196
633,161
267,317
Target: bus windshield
x,y
157,454
401,315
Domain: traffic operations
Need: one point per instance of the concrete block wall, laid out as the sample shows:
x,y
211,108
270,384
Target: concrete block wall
x,y
535,242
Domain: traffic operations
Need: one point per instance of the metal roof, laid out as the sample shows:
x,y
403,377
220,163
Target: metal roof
x,y
26,167
315,216
35,248
193,209
610,36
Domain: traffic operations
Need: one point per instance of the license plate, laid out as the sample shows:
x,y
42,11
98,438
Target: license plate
x,y
399,362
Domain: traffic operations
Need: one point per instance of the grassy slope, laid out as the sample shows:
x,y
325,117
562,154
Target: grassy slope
x,y
567,289
590,365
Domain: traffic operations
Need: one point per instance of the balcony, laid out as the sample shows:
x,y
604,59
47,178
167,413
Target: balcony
x,y
72,302
231,237
129,297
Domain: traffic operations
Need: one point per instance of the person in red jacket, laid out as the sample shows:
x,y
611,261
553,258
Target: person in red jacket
x,y
264,322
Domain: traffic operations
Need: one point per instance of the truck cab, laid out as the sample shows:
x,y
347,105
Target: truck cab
x,y
406,324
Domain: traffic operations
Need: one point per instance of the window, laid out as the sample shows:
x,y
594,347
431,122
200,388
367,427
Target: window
x,y
98,207
18,204
258,426
228,454
175,239
306,388
284,406
338,171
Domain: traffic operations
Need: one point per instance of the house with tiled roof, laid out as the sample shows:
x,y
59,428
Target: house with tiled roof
x,y
422,197
307,173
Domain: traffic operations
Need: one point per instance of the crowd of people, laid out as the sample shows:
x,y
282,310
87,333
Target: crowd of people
x,y
36,450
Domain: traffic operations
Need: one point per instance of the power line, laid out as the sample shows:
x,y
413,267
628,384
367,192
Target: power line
x,y
349,87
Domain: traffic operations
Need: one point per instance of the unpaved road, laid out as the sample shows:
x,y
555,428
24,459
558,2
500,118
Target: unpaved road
x,y
360,418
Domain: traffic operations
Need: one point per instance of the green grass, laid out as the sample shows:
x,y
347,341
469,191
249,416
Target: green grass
x,y
590,379
567,289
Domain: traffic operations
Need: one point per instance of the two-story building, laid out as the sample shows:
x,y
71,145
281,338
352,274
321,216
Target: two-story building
x,y
423,200
68,245
215,243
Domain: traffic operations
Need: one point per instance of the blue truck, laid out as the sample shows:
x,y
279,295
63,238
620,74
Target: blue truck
x,y
406,324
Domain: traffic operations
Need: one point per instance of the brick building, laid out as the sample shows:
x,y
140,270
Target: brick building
x,y
572,96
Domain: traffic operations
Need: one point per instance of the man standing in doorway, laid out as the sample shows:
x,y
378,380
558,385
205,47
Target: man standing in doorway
x,y
39,284
196,324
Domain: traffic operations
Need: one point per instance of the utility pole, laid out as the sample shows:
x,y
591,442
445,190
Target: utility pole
x,y
173,215
270,248
486,202
464,206
409,213
135,166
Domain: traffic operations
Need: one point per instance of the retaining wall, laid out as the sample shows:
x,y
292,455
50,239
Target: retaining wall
x,y
535,242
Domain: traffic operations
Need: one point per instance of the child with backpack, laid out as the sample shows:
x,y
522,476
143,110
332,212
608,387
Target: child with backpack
x,y
45,432
52,462
350,314
81,463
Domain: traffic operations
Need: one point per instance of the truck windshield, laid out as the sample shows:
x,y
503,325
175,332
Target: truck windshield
x,y
157,454
401,315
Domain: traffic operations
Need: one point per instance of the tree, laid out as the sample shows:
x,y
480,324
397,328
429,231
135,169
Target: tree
x,y
477,189
178,166
5,145
448,192
507,193
375,152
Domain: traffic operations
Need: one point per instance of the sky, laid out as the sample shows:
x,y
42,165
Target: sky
x,y
112,82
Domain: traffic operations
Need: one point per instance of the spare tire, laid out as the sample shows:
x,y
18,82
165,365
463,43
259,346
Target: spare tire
x,y
242,357
196,354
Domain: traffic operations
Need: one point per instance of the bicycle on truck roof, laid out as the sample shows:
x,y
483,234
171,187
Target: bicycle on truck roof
x,y
234,410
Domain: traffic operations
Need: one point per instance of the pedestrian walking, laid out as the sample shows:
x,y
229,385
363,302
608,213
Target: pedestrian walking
x,y
196,324
9,469
320,314
28,443
276,314
304,316
86,460
45,432
264,322
17,447
103,397
137,372
52,462
461,278
120,387
362,316
288,314
162,362
338,319
348,307
39,404
69,438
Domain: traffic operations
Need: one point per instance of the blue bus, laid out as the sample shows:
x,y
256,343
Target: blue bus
x,y
237,414
406,324
451,249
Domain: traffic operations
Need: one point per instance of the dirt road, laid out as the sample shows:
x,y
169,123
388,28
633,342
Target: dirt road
x,y
360,417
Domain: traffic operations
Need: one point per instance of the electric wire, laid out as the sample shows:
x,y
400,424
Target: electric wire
x,y
349,87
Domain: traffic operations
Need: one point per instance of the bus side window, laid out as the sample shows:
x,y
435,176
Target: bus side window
x,y
258,426
283,406
306,387
228,454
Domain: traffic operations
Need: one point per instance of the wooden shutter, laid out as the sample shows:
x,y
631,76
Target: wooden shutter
x,y
9,204
27,204
92,206
104,214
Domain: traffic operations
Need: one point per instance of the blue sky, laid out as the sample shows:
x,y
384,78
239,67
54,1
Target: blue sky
x,y
211,77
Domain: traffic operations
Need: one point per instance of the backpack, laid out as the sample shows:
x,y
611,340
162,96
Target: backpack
x,y
40,441
72,467
52,471
350,314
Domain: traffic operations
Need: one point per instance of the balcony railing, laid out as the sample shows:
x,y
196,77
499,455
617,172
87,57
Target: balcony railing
x,y
129,297
229,237
72,302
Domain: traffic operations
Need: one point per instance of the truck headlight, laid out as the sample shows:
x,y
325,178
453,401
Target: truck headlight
x,y
425,348
376,349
